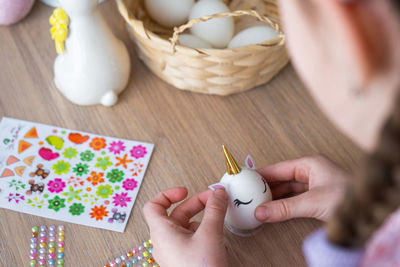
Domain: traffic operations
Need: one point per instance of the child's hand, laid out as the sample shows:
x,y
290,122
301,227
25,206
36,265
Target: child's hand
x,y
179,242
316,183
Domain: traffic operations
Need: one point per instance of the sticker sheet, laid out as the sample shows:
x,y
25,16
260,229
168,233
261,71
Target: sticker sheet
x,y
68,175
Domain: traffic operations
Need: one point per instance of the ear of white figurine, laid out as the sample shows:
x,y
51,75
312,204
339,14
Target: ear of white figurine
x,y
249,162
216,186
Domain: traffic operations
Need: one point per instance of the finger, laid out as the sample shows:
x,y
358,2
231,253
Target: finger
x,y
193,226
190,207
214,214
285,189
157,207
287,208
297,169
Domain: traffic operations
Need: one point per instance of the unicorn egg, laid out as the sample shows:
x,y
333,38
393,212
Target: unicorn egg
x,y
246,190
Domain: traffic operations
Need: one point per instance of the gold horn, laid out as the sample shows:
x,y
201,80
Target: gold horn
x,y
231,165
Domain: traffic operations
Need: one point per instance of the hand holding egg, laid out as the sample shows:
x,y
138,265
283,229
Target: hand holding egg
x,y
246,190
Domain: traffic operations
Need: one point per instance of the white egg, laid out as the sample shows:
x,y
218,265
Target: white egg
x,y
169,13
248,188
192,41
217,32
253,35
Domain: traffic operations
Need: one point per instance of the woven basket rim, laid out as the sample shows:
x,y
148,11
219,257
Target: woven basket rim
x,y
207,70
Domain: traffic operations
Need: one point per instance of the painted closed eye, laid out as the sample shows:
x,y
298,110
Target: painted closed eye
x,y
237,202
265,185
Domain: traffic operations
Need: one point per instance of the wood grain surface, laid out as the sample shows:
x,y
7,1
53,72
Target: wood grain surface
x,y
274,122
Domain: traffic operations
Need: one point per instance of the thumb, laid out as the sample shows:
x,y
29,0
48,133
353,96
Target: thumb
x,y
285,209
214,214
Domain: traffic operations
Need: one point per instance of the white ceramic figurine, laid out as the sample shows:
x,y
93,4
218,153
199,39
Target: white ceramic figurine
x,y
246,190
94,67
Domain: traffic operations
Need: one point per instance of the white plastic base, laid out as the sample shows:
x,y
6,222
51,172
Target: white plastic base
x,y
242,232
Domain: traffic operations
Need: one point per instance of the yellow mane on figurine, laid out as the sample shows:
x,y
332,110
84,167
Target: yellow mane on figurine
x,y
59,29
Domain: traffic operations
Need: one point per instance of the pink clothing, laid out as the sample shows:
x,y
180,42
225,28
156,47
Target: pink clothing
x,y
382,250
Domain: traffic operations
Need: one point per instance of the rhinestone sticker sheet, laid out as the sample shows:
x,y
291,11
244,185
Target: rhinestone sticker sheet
x,y
68,175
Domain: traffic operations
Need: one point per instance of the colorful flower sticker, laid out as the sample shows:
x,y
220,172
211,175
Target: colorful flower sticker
x,y
117,216
104,191
98,212
98,143
72,194
75,181
138,152
129,184
87,155
36,202
76,209
81,169
55,186
16,197
17,184
61,167
115,175
89,198
121,199
70,153
116,147
96,178
123,161
103,163
137,169
56,203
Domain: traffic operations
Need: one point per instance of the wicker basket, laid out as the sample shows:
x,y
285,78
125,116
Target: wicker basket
x,y
211,71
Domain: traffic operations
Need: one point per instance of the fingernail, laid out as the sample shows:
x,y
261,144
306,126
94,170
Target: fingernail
x,y
220,193
216,186
261,214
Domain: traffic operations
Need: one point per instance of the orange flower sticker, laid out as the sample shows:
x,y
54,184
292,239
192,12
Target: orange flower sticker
x,y
96,178
98,143
75,181
137,169
123,161
98,212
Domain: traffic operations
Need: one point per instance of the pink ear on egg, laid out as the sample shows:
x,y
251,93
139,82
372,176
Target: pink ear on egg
x,y
250,162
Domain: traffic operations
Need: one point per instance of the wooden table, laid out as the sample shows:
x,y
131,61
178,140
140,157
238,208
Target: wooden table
x,y
273,122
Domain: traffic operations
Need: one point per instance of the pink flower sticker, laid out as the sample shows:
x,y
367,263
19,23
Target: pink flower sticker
x,y
121,199
116,147
56,185
129,184
17,197
138,152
